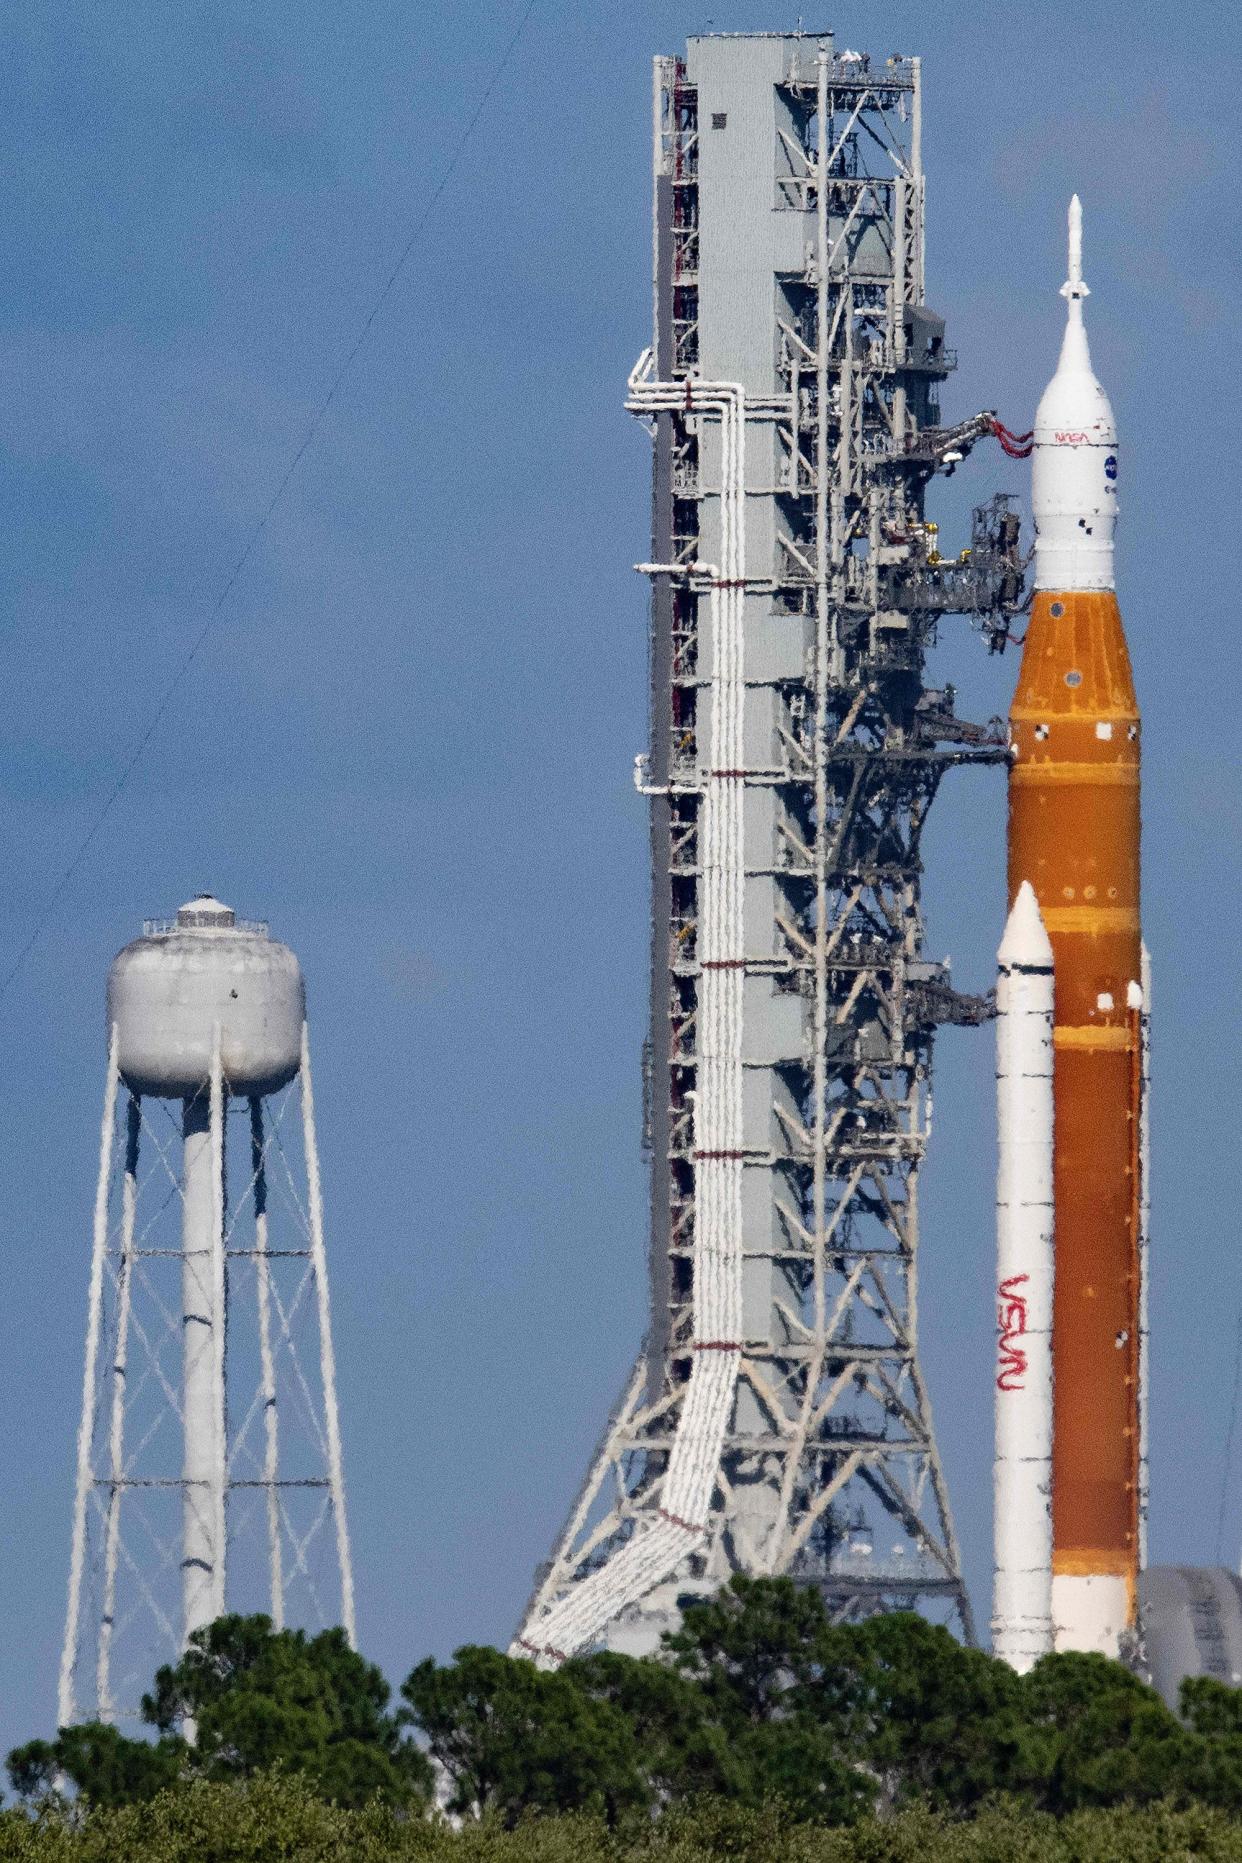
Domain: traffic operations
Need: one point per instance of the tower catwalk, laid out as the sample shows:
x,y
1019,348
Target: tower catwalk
x,y
209,1456
777,1420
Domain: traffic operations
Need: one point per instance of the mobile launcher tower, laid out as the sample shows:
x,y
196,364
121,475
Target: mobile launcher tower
x,y
209,1452
777,1421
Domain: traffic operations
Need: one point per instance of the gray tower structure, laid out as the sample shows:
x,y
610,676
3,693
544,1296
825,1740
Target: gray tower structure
x,y
209,1471
777,1420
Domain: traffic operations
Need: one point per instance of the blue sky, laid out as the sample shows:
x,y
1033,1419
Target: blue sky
x,y
409,740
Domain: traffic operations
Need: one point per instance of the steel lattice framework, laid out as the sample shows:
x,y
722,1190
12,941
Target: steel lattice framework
x,y
777,1420
273,1500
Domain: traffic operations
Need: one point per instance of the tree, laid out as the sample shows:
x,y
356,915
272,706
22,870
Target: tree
x,y
100,1762
257,1698
513,1738
779,1683
1211,1707
1114,1741
684,1752
750,1645
260,1697
939,1724
758,1709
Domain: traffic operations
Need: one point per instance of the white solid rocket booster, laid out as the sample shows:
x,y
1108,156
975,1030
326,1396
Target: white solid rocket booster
x,y
1022,1499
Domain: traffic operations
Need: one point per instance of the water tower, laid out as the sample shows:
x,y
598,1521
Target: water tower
x,y
209,1454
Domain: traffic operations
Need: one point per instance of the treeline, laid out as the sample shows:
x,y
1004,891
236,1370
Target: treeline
x,y
275,1819
758,1708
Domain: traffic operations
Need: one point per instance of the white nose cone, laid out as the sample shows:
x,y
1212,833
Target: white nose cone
x,y
1025,945
1074,468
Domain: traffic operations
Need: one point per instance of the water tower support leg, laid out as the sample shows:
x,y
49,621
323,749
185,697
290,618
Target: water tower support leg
x,y
66,1711
219,1286
116,1423
332,1419
202,1553
263,1286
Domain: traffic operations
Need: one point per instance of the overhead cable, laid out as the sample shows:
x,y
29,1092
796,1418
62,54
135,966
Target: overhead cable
x,y
62,884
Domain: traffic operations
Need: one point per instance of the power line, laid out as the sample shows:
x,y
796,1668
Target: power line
x,y
127,770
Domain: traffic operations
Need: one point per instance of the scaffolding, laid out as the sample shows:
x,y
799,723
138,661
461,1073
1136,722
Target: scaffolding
x,y
777,1420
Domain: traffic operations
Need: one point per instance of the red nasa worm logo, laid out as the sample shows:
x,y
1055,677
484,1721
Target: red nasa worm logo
x,y
1071,439
1011,1324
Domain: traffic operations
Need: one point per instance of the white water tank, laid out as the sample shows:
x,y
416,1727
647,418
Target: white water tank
x,y
169,990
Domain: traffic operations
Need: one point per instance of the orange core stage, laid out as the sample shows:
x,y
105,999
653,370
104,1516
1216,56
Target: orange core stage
x,y
1074,834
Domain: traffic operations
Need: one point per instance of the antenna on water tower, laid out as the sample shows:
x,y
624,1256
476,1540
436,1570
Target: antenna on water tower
x,y
209,1456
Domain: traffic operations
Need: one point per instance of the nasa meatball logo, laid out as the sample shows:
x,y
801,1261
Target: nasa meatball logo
x,y
1110,467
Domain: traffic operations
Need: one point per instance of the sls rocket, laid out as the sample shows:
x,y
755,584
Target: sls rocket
x,y
1074,840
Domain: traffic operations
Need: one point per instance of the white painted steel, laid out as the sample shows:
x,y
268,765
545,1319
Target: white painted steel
x,y
660,71
169,989
826,544
1090,1613
1074,464
202,1320
686,1498
181,1218
327,1358
66,1708
802,1501
116,1421
1022,1476
219,1288
267,1366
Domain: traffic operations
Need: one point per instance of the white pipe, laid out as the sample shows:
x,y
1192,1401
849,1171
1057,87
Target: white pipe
x,y
658,68
681,1523
267,1368
920,180
219,1330
319,1262
66,1697
116,1428
199,1319
1022,1499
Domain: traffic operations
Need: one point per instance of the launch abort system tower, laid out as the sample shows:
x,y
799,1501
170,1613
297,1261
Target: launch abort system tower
x,y
777,1421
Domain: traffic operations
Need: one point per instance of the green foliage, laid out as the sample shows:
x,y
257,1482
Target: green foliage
x,y
1111,1739
898,1712
512,1738
1211,1707
750,1648
257,1698
204,1821
833,1719
261,1698
764,1660
278,1818
99,1760
684,1753
762,1730
940,1724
